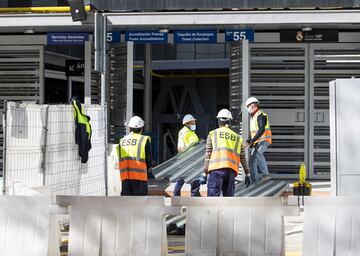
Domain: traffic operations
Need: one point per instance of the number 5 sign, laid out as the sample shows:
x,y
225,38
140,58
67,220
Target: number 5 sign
x,y
238,35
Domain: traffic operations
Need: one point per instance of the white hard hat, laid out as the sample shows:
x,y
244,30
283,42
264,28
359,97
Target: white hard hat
x,y
136,122
224,114
251,100
188,118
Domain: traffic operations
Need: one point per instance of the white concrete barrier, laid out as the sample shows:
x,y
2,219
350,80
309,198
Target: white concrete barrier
x,y
25,226
117,226
234,226
114,182
331,226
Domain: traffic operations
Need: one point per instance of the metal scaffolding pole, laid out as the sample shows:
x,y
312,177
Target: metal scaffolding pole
x,y
129,82
87,75
245,89
147,89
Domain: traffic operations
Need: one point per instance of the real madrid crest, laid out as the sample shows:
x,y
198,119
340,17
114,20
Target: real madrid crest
x,y
299,36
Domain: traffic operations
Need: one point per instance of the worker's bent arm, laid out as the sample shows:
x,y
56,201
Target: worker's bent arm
x,y
148,155
243,160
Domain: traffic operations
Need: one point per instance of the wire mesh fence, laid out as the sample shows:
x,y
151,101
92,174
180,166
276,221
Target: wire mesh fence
x,y
41,149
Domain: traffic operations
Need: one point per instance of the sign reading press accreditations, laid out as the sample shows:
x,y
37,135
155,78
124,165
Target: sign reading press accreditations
x,y
150,36
69,38
238,35
195,36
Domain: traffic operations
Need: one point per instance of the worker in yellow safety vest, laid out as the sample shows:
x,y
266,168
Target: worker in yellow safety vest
x,y
135,159
260,139
224,153
187,138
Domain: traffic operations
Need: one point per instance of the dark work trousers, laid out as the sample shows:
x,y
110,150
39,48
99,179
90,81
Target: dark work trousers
x,y
221,180
134,188
83,140
195,188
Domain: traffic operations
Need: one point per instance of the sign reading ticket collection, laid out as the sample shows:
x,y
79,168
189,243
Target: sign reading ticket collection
x,y
195,36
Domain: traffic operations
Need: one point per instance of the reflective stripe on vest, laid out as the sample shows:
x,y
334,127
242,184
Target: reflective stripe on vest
x,y
81,118
132,164
189,137
226,149
254,127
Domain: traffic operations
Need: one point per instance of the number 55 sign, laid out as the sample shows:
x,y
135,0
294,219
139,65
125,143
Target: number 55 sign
x,y
238,35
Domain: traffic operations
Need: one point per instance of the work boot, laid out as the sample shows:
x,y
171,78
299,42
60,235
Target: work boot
x,y
265,178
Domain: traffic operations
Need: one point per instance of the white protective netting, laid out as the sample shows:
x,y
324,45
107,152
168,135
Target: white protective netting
x,y
41,149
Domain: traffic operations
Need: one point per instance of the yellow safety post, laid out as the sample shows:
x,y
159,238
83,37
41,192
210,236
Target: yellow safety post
x,y
302,187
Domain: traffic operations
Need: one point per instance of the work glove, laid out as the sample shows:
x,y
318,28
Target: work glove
x,y
150,173
203,179
247,181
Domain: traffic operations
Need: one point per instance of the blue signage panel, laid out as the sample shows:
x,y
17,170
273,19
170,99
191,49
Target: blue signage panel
x,y
195,36
238,35
67,38
113,37
150,36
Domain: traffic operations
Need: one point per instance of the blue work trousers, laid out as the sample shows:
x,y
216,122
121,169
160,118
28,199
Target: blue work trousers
x,y
134,188
221,180
258,165
195,188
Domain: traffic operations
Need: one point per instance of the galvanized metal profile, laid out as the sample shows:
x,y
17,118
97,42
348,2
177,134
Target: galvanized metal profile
x,y
183,164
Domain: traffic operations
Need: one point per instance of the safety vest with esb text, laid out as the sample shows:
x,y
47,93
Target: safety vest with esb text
x,y
226,149
132,157
254,127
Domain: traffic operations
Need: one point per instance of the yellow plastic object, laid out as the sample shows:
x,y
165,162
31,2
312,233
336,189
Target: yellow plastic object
x,y
302,174
302,187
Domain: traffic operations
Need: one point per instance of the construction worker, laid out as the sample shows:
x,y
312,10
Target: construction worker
x,y
259,141
186,138
135,159
224,153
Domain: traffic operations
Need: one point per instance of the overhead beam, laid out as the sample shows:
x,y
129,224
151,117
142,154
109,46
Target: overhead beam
x,y
234,18
42,20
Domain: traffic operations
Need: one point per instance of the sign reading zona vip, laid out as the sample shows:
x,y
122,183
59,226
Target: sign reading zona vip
x,y
195,36
74,68
150,36
313,36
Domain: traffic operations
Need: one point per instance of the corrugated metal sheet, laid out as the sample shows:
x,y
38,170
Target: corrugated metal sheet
x,y
141,5
187,165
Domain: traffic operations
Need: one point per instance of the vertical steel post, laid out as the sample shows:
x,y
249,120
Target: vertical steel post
x,y
69,87
147,89
87,73
245,89
4,147
129,82
43,163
